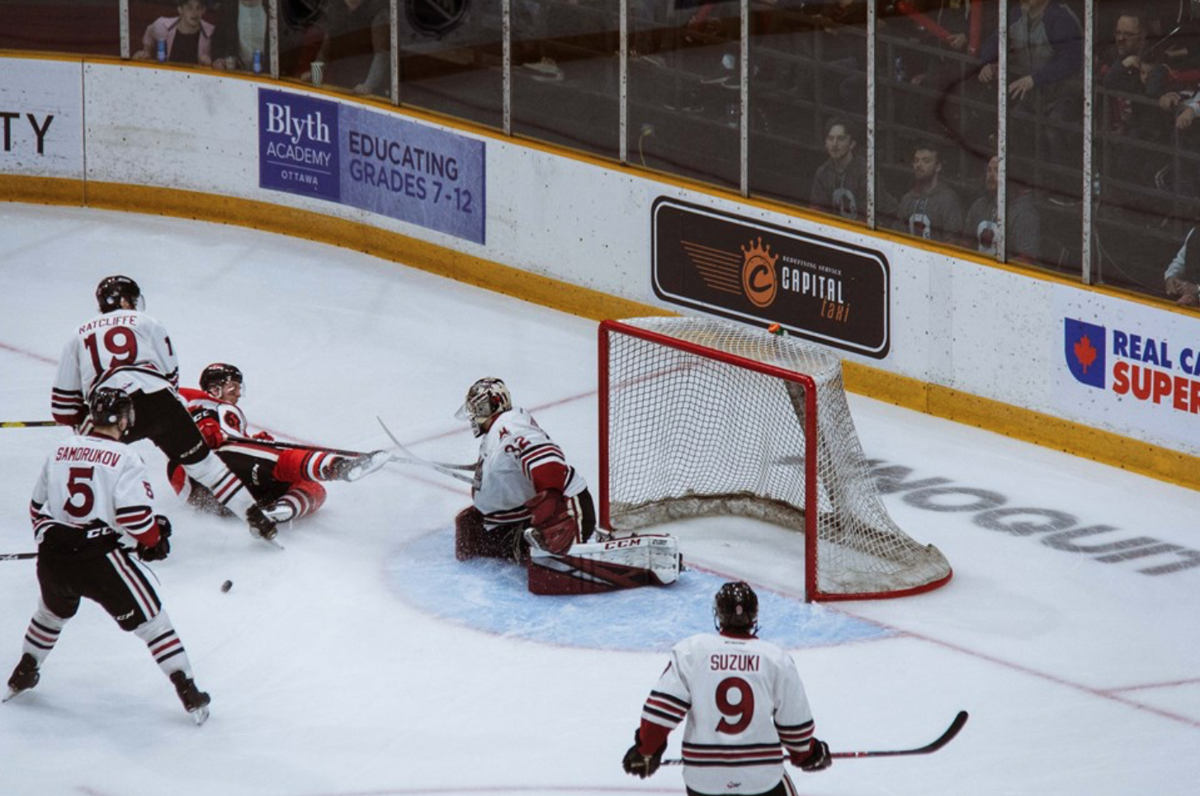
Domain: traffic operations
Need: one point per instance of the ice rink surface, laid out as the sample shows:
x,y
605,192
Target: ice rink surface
x,y
362,660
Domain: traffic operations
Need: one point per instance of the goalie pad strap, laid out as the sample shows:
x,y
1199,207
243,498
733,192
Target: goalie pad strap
x,y
651,560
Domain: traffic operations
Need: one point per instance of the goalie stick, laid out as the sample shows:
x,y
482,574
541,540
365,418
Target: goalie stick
x,y
405,456
943,739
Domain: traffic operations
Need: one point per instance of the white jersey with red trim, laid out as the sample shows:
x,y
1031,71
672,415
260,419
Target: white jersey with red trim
x,y
231,418
92,481
125,349
513,448
745,708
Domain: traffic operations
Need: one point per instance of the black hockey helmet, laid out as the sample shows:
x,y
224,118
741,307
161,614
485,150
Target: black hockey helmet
x,y
217,374
735,608
108,405
112,289
485,399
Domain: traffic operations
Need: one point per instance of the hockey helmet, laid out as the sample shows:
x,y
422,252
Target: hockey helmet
x,y
735,608
218,374
112,289
108,406
487,398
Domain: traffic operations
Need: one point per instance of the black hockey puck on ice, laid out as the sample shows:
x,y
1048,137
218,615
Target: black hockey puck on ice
x,y
227,585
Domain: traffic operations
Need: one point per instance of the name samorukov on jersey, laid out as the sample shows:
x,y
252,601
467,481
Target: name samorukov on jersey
x,y
125,349
511,452
748,709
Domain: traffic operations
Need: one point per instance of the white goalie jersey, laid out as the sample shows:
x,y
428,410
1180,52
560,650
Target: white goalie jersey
x,y
745,708
509,456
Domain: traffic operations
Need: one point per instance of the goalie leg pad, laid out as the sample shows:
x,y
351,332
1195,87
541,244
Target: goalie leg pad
x,y
472,540
651,560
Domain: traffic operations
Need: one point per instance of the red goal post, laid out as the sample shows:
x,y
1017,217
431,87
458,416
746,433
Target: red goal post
x,y
703,417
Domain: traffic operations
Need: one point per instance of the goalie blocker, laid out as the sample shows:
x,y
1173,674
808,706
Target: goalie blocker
x,y
581,568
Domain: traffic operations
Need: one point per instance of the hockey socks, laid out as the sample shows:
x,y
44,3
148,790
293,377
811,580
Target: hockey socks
x,y
42,633
224,485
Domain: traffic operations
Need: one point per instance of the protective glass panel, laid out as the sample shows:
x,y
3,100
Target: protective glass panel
x,y
1144,146
565,73
76,26
453,66
684,101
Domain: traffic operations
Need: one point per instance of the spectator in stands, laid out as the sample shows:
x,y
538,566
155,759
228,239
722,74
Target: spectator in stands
x,y
1183,273
1045,42
184,39
356,47
840,184
241,40
1023,225
931,209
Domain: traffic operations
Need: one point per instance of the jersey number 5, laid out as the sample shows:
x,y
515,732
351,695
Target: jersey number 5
x,y
78,487
736,715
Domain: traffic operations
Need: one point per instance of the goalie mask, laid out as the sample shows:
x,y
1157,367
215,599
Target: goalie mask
x,y
735,608
108,406
112,289
487,398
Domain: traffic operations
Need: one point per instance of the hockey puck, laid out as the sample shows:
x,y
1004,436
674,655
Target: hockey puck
x,y
227,585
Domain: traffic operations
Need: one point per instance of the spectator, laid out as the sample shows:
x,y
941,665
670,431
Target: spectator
x,y
241,40
185,39
1183,273
840,184
1023,225
931,209
356,46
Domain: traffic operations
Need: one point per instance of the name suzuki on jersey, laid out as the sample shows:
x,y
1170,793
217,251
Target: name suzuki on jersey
x,y
733,663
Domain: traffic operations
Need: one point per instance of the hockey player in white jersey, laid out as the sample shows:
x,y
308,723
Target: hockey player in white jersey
x,y
123,348
745,707
532,506
524,492
93,494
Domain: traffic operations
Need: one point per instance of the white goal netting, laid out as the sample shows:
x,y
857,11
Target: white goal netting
x,y
705,417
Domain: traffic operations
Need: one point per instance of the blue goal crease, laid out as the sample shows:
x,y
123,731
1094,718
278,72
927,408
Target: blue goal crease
x,y
490,595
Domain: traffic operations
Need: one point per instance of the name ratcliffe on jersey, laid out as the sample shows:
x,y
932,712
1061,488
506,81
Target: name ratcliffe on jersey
x,y
744,705
125,349
513,448
89,481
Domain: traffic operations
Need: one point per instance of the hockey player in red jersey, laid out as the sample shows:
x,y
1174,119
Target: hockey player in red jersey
x,y
92,495
284,481
126,349
745,707
524,492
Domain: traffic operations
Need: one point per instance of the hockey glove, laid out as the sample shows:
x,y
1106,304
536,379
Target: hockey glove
x,y
553,528
163,548
211,431
639,765
818,757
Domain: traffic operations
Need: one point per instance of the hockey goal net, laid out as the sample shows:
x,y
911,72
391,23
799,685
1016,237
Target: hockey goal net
x,y
703,417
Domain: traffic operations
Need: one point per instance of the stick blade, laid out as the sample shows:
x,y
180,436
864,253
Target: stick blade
x,y
946,737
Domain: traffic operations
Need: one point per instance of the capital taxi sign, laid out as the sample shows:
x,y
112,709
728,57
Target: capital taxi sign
x,y
821,289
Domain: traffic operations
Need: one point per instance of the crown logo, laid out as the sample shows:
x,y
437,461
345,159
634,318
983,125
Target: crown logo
x,y
758,273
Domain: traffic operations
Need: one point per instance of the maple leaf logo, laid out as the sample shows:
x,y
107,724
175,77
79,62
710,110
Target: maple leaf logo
x,y
1085,352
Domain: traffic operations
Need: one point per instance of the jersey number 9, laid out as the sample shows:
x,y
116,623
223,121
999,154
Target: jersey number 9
x,y
737,715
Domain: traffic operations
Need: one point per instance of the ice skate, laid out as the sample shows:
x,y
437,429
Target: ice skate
x,y
261,526
24,677
194,700
352,468
279,512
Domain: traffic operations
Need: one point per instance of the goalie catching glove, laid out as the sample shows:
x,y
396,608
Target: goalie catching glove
x,y
639,765
552,527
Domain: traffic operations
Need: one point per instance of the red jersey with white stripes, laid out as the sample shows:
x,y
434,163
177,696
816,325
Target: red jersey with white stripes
x,y
125,349
97,486
517,460
206,409
745,708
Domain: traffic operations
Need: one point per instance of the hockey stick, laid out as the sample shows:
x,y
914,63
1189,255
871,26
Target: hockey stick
x,y
406,456
16,556
28,423
943,739
274,443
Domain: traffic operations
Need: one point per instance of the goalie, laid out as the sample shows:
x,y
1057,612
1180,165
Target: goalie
x,y
533,507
